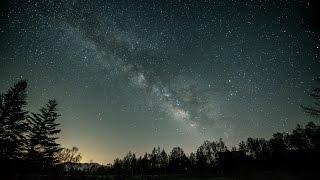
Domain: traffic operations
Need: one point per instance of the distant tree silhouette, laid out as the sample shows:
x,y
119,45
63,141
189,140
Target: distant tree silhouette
x,y
258,148
155,158
164,161
279,142
178,161
283,151
243,147
208,153
299,139
193,162
117,166
307,138
43,146
144,164
204,156
220,146
13,125
69,155
129,164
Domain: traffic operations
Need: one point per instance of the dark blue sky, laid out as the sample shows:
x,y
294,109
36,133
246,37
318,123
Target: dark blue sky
x,y
134,75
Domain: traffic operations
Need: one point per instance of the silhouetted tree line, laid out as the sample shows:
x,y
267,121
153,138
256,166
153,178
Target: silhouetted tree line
x,y
295,151
214,157
27,140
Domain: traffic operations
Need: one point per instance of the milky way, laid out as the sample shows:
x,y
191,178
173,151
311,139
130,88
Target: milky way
x,y
133,75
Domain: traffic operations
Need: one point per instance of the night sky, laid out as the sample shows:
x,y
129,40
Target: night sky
x,y
131,75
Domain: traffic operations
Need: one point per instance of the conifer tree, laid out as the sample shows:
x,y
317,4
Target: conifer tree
x,y
13,122
43,147
164,161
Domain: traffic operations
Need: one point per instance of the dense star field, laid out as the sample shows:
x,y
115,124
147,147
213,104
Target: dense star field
x,y
131,75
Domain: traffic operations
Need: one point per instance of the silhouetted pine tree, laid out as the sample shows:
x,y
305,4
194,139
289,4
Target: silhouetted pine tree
x,y
145,164
118,166
205,155
164,161
129,163
178,161
13,122
42,144
155,159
